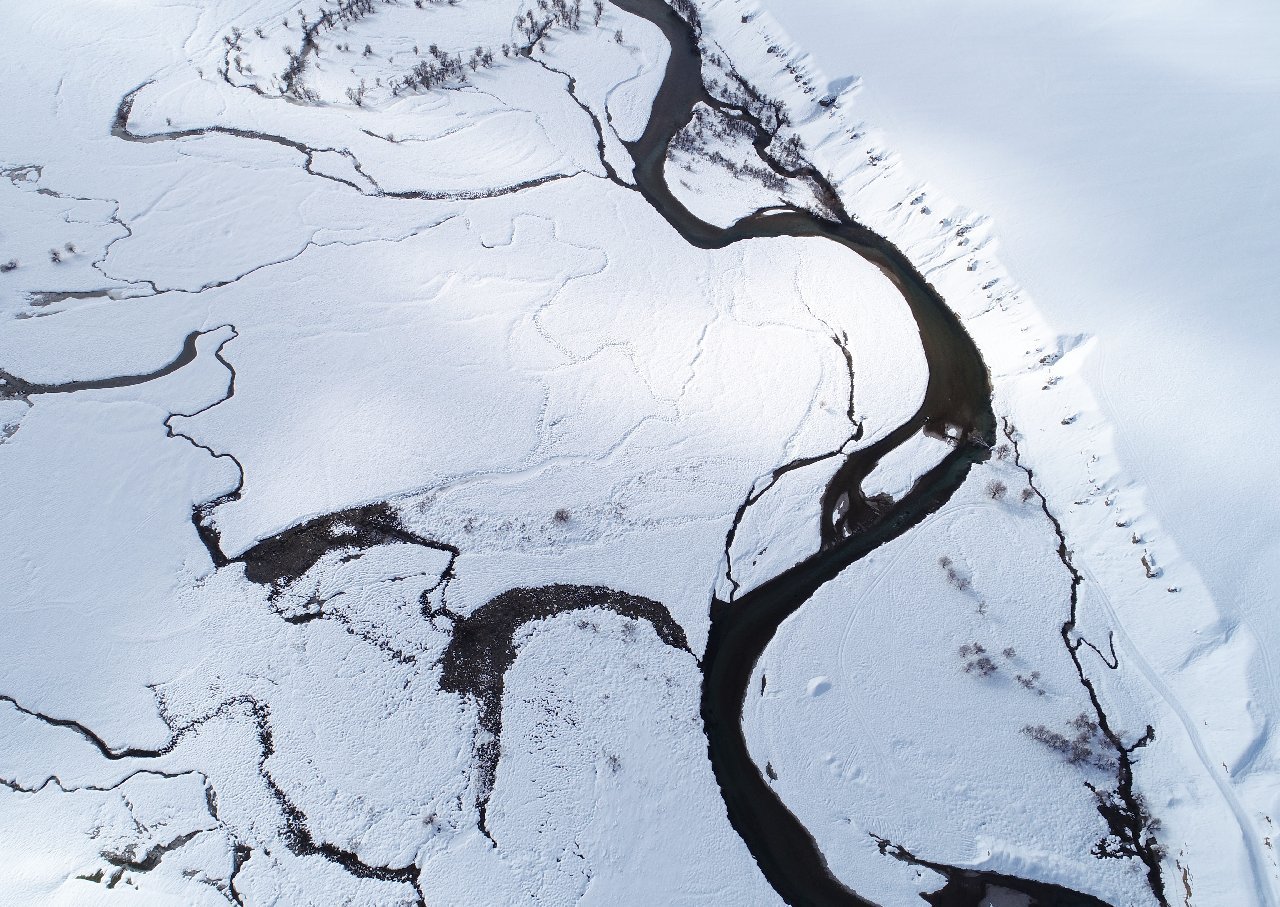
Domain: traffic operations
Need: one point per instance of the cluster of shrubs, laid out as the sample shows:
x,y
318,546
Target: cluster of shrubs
x,y
687,11
444,69
977,660
1078,749
551,13
347,11
705,126
344,13
1030,682
954,576
789,151
441,69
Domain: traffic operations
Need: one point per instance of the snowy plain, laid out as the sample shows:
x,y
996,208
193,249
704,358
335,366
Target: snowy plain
x,y
431,375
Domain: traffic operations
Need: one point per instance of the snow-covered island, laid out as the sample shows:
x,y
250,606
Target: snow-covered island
x,y
496,452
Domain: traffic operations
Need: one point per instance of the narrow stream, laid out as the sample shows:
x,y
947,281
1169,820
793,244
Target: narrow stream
x,y
13,387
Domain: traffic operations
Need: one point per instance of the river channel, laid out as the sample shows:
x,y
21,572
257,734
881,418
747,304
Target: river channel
x,y
957,404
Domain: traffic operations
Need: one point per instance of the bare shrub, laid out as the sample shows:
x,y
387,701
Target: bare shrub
x,y
1079,749
356,95
1030,682
954,576
977,661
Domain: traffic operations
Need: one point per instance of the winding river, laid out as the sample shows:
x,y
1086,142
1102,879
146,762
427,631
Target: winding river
x,y
957,403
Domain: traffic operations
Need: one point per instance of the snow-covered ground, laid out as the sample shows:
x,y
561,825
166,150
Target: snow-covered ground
x,y
317,380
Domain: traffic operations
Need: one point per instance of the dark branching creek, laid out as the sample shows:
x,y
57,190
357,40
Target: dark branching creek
x,y
957,405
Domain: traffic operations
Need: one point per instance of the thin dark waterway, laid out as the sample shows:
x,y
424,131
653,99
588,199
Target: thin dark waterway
x,y
13,387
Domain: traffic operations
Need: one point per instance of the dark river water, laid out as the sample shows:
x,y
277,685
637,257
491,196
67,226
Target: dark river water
x,y
957,402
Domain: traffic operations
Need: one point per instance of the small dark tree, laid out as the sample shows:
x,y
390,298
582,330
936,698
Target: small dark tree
x,y
996,489
617,37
